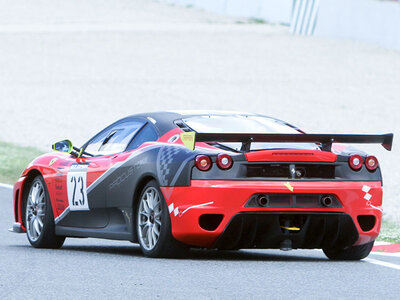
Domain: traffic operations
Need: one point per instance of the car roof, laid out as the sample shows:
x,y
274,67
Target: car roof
x,y
164,120
186,113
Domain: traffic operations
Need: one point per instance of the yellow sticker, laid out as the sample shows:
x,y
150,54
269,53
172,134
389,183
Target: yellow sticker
x,y
188,139
53,161
291,228
289,186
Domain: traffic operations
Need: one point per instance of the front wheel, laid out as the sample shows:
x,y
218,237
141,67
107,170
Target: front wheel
x,y
39,220
350,253
153,225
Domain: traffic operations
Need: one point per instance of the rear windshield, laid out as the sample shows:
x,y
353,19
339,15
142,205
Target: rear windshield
x,y
246,124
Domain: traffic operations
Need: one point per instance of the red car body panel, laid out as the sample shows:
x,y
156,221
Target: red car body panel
x,y
291,155
229,197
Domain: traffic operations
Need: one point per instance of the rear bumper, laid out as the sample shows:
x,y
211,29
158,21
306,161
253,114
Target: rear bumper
x,y
228,198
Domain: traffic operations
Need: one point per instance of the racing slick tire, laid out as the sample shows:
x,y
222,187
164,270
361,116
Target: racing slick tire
x,y
153,225
350,253
39,219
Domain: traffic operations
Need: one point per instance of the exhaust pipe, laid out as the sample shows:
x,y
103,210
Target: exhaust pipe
x,y
262,200
326,201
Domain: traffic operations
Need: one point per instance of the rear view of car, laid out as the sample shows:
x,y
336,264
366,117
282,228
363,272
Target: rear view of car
x,y
279,190
175,180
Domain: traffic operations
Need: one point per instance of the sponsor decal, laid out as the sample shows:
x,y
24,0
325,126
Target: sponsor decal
x,y
293,228
165,159
188,139
172,209
368,197
121,178
53,161
175,210
76,187
198,205
289,186
366,189
65,163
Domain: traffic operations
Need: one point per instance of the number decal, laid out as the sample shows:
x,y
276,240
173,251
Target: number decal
x,y
76,186
82,198
73,179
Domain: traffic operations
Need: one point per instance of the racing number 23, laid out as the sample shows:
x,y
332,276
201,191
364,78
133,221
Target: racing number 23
x,y
78,199
76,186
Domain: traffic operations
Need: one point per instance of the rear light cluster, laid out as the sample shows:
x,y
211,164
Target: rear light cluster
x,y
204,163
371,163
356,162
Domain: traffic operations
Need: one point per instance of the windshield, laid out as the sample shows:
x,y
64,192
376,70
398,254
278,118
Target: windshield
x,y
246,124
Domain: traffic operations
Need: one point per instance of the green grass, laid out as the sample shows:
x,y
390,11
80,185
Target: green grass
x,y
256,21
13,160
251,21
390,232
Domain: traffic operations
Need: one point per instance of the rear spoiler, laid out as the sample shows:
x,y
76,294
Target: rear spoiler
x,y
326,140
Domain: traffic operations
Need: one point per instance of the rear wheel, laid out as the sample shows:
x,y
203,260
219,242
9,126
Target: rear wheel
x,y
153,225
350,253
39,219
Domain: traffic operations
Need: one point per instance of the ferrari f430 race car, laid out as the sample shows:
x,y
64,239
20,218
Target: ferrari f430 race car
x,y
174,180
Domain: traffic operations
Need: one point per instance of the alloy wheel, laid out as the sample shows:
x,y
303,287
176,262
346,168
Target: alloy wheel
x,y
149,218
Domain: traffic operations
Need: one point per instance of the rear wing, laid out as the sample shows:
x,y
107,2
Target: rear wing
x,y
326,140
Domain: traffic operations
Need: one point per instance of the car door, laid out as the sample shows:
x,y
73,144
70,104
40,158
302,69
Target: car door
x,y
85,184
134,162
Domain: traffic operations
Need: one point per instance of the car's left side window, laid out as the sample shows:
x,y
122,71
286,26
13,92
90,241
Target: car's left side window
x,y
115,139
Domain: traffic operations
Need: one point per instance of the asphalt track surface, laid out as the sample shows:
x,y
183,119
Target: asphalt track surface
x,y
102,269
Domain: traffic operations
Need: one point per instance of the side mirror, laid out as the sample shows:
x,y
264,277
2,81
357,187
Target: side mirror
x,y
63,146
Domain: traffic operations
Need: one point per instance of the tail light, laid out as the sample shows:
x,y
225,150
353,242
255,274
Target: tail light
x,y
371,163
203,162
356,162
224,161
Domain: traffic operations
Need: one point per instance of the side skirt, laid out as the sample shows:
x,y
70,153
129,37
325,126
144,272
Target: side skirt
x,y
113,232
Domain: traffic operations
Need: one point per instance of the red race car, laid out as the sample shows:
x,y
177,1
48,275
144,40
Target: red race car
x,y
174,180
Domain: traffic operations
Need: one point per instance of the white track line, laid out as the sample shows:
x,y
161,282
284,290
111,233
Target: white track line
x,y
7,186
393,254
382,263
381,243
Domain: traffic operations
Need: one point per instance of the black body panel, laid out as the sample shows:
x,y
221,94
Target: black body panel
x,y
168,164
263,230
118,228
95,218
279,171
